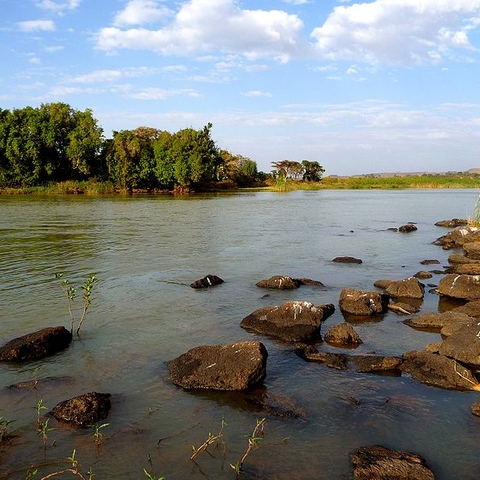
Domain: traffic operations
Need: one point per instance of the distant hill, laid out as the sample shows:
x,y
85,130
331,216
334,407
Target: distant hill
x,y
474,171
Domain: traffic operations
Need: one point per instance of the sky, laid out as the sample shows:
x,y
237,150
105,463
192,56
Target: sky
x,y
360,87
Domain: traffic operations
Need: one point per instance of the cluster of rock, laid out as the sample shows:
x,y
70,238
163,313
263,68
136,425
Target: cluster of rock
x,y
452,363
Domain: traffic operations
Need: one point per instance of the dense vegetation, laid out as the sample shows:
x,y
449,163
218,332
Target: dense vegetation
x,y
56,143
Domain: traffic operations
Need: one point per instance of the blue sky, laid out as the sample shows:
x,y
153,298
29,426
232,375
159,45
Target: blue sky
x,y
361,87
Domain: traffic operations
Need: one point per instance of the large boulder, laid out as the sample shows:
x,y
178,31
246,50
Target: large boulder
x,y
207,281
464,345
406,288
459,237
470,308
292,321
380,463
342,335
84,410
471,268
460,286
453,223
284,282
408,228
36,345
472,250
362,303
437,321
437,371
234,366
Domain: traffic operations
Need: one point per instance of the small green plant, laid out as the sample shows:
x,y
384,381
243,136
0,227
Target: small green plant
x,y
70,293
40,407
209,441
98,436
73,468
151,477
254,441
4,423
43,431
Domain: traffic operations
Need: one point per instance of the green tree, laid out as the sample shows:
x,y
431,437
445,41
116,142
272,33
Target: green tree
x,y
164,162
313,171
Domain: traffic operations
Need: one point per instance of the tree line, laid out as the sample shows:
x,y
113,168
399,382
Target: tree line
x,y
56,143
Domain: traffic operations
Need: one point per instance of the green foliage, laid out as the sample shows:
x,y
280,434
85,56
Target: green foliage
x,y
97,435
254,441
150,476
4,423
70,293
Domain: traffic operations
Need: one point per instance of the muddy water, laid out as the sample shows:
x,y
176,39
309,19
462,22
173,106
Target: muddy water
x,y
145,252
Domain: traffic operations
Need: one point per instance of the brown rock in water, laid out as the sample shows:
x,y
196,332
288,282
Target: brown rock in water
x,y
470,308
376,363
460,286
409,227
380,463
406,288
436,321
84,410
472,250
475,409
437,371
291,321
342,335
284,282
458,237
464,345
207,281
453,223
430,262
347,259
235,366
36,345
358,302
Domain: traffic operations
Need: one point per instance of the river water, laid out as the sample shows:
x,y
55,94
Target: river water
x,y
146,251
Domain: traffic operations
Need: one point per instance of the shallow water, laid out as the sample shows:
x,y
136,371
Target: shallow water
x,y
146,251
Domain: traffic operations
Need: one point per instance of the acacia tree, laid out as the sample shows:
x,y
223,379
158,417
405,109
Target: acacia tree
x,y
313,171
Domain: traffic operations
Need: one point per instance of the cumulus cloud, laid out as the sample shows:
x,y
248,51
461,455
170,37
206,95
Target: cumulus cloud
x,y
58,7
140,12
154,93
36,26
206,26
106,76
256,93
398,31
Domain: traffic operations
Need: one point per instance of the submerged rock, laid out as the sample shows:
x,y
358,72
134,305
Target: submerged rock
x,y
453,223
291,321
437,321
36,345
235,366
84,410
380,463
207,281
284,282
347,259
342,335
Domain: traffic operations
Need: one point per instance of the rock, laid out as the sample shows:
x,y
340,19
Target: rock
x,y
331,360
342,335
36,345
403,308
456,258
383,284
475,409
407,288
291,321
347,260
358,302
472,250
460,286
458,237
376,363
471,309
409,227
434,322
284,282
380,463
207,281
453,223
234,366
84,410
437,371
430,262
464,269
422,274
464,345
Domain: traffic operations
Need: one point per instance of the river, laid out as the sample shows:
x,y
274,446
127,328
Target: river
x,y
145,251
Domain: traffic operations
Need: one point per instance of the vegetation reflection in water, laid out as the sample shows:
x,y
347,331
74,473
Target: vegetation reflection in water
x,y
144,314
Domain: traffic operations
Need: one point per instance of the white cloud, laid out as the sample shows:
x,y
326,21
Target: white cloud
x,y
206,26
105,76
256,93
154,93
398,31
58,7
140,12
36,26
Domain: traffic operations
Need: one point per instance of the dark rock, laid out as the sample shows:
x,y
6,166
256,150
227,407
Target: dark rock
x,y
430,262
458,237
422,274
460,286
36,345
464,345
434,322
84,410
409,227
437,371
30,384
342,335
453,223
207,281
380,463
376,363
284,282
475,409
347,260
471,309
464,268
472,250
235,366
407,288
358,302
392,229
403,308
331,360
291,321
